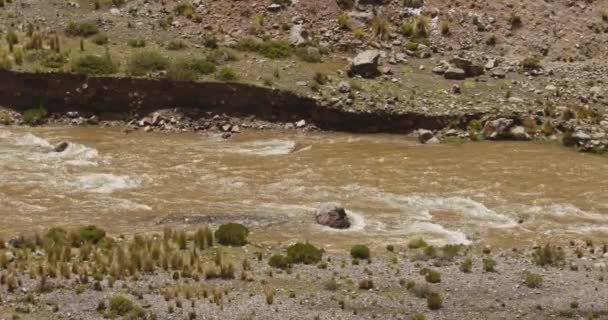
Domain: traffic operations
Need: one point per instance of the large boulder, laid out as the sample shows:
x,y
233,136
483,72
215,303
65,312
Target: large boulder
x,y
471,69
365,64
426,137
298,36
497,129
60,147
332,215
455,74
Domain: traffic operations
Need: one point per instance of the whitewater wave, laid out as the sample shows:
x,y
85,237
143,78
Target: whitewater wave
x,y
105,183
448,236
273,147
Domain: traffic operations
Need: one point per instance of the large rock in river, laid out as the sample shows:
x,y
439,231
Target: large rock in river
x,y
60,147
333,216
365,64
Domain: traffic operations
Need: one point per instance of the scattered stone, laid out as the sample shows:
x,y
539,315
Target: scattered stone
x,y
365,64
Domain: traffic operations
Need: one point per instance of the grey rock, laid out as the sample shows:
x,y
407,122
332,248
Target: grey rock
x,y
455,74
332,215
61,147
365,64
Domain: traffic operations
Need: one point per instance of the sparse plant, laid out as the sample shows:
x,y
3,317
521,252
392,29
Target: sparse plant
x,y
407,29
415,4
444,27
175,45
467,265
417,243
360,251
434,301
531,63
343,21
533,280
514,20
421,27
227,74
279,261
232,234
345,4
95,65
304,253
100,39
35,116
136,43
144,62
489,265
81,29
380,27
433,277
549,255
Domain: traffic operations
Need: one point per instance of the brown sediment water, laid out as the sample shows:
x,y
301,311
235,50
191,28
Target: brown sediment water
x,y
501,193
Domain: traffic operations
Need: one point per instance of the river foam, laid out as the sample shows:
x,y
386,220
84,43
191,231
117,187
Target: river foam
x,y
105,183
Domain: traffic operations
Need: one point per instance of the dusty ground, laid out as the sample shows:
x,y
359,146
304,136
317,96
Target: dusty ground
x,y
326,290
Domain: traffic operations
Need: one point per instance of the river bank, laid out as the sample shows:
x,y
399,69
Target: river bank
x,y
176,275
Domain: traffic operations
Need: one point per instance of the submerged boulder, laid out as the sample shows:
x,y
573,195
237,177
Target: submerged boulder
x,y
61,146
333,216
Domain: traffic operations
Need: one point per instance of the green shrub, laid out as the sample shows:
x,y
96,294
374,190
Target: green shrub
x,y
449,251
604,15
390,248
92,234
5,61
81,29
95,65
137,43
182,70
549,255
444,27
475,125
232,234
279,261
273,49
467,265
35,116
360,251
100,39
56,235
417,243
407,29
304,253
489,265
574,305
54,60
176,45
434,301
12,38
121,305
411,45
184,9
345,4
514,21
421,27
533,280
227,74
144,62
418,316
433,277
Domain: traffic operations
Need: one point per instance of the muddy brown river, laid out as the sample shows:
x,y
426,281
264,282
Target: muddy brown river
x,y
500,193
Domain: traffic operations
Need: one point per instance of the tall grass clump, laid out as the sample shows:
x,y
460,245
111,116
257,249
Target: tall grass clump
x,y
95,65
144,62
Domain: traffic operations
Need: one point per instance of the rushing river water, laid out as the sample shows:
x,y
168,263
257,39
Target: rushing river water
x,y
501,193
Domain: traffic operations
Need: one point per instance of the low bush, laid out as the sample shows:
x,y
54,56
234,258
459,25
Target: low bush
x,y
467,265
176,45
81,29
121,305
95,65
92,234
360,251
56,235
489,265
35,116
417,243
144,62
421,27
5,61
279,261
407,29
182,70
309,54
444,27
433,277
418,316
273,49
184,9
549,255
232,234
54,60
137,43
304,253
434,301
380,27
100,39
533,280
227,74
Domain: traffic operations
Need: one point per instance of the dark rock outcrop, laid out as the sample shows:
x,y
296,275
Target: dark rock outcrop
x,y
333,216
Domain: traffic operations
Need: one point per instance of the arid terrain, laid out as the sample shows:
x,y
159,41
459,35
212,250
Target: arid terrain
x,y
446,72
